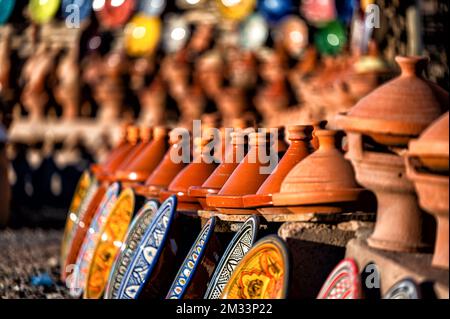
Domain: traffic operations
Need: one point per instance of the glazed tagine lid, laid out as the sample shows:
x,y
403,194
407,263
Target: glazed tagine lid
x,y
325,176
263,273
300,137
134,235
193,259
432,147
241,243
148,251
343,282
139,169
405,289
91,239
400,109
111,239
253,169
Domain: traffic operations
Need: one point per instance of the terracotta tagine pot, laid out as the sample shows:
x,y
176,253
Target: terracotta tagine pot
x,y
427,165
195,174
223,172
134,235
343,283
167,169
321,182
263,273
90,241
140,168
241,243
111,240
254,170
300,137
384,114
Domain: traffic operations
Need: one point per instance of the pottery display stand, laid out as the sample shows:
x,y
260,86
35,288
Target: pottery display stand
x,y
395,266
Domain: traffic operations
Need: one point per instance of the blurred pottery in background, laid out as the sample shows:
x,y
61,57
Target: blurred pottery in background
x,y
343,282
113,15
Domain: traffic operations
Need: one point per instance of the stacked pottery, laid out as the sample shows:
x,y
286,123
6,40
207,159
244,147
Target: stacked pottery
x,y
379,128
323,182
427,165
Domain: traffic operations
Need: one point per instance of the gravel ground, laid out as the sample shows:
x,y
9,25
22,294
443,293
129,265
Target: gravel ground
x,y
25,254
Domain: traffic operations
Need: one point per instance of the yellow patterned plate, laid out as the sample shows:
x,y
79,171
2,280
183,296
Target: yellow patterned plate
x,y
236,9
111,240
78,197
262,274
142,35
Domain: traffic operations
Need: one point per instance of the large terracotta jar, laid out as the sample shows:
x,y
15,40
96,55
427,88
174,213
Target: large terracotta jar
x,y
140,168
427,166
254,170
379,127
320,183
167,169
300,137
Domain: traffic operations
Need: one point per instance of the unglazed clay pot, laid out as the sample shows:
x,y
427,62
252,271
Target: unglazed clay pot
x,y
427,167
319,182
166,171
195,174
254,170
223,172
263,273
300,137
140,168
400,109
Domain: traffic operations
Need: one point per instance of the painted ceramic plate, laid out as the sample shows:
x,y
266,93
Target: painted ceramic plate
x,y
241,243
78,282
43,11
149,250
142,35
343,282
82,7
189,266
405,289
111,240
80,193
6,8
263,273
236,10
132,239
152,7
113,13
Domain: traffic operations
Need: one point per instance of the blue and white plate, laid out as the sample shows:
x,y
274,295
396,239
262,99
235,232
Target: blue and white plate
x,y
193,259
134,235
241,243
147,254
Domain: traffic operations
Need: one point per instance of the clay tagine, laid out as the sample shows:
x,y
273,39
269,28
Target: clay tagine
x,y
321,182
139,169
300,137
427,165
254,170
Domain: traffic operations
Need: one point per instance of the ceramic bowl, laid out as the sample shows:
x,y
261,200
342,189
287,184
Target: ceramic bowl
x,y
91,240
404,289
263,273
108,247
343,283
241,243
148,252
135,232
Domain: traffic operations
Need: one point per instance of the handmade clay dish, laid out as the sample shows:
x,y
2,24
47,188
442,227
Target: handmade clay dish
x,y
198,267
253,169
80,192
321,182
147,160
343,282
383,114
241,243
84,258
223,172
263,273
111,239
300,137
404,289
134,235
87,211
